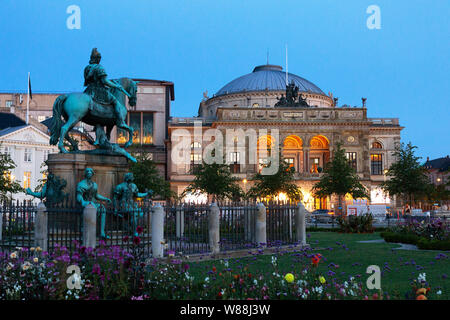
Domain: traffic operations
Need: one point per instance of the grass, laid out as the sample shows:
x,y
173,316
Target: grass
x,y
399,267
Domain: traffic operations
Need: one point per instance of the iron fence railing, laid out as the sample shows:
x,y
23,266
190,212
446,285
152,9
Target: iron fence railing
x,y
186,228
280,223
17,225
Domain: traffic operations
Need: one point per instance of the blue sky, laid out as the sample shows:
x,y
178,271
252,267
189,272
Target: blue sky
x,y
403,68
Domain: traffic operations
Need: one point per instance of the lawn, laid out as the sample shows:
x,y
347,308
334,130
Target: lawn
x,y
343,257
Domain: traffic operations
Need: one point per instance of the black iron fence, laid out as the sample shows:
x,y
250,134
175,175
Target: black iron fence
x,y
186,228
280,223
16,225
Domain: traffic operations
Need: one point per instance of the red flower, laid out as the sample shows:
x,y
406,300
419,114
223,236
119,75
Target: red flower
x,y
316,259
214,269
136,240
125,239
139,229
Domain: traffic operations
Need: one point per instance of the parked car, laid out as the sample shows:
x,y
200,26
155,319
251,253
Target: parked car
x,y
322,216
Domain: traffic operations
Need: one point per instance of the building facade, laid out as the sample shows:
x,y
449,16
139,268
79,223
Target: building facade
x,y
306,135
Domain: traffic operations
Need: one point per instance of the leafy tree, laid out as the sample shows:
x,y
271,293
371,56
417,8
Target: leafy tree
x,y
215,180
7,185
271,185
407,176
340,179
147,176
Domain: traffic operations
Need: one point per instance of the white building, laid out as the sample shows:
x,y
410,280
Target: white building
x,y
28,147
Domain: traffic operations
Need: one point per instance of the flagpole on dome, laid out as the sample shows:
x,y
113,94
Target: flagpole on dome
x,y
286,65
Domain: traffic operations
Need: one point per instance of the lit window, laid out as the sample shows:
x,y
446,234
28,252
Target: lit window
x,y
255,105
351,157
290,162
376,164
41,118
27,155
27,179
315,165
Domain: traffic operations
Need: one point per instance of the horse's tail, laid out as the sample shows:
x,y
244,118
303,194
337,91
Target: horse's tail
x,y
55,128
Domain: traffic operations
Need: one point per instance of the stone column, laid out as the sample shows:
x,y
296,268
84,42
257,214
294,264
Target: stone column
x,y
306,159
157,231
261,232
214,228
300,223
90,226
40,229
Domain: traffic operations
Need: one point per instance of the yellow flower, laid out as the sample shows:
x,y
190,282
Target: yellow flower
x,y
13,255
38,249
32,249
289,277
36,260
322,280
25,266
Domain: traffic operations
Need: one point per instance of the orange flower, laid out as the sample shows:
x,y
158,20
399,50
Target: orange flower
x,y
220,273
421,291
236,276
421,297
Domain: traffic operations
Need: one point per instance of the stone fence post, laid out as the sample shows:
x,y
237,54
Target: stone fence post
x,y
300,223
40,229
261,231
214,228
90,226
157,231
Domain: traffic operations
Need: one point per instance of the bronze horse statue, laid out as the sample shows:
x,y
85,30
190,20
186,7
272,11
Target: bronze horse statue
x,y
79,106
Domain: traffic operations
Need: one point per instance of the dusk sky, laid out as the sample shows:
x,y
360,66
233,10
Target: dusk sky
x,y
402,69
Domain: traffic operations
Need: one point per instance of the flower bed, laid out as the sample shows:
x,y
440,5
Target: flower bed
x,y
434,235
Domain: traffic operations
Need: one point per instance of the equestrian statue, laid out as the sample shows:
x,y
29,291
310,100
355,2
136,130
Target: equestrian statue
x,y
102,104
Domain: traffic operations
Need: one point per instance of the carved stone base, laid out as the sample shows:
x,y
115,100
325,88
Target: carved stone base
x,y
109,170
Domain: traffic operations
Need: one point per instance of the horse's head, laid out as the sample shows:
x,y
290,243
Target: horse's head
x,y
130,86
132,90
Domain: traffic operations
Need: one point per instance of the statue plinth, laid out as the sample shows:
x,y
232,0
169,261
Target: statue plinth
x,y
109,170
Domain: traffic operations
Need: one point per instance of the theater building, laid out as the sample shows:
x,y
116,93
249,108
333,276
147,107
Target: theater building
x,y
309,124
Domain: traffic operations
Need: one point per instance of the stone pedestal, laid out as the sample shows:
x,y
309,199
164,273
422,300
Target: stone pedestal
x,y
109,170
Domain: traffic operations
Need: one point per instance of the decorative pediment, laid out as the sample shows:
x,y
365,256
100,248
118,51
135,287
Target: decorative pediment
x,y
28,135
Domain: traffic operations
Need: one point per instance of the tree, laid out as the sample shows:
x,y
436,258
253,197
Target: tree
x,y
147,176
7,183
271,185
215,180
339,178
407,175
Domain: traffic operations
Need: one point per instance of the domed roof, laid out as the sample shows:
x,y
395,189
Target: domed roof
x,y
270,77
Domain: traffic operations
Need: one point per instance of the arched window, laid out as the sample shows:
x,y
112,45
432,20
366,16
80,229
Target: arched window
x,y
376,145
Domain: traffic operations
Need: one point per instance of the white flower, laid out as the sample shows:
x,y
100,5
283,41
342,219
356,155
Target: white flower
x,y
274,260
346,284
439,292
207,279
422,277
13,255
255,282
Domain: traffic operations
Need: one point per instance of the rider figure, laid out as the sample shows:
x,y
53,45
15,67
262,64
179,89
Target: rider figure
x,y
97,85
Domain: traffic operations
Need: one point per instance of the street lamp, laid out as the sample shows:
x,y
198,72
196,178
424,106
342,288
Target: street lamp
x,y
245,185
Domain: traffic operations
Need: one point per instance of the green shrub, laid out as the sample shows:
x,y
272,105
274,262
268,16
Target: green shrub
x,y
356,224
400,237
433,244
